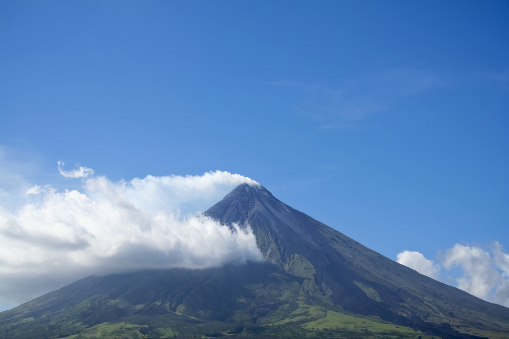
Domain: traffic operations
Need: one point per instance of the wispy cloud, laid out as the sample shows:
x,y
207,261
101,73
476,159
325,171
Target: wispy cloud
x,y
358,98
16,170
80,172
484,272
105,227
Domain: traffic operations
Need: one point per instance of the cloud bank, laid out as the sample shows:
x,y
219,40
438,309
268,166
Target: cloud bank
x,y
484,272
107,227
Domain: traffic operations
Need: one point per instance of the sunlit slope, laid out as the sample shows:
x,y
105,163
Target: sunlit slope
x,y
353,276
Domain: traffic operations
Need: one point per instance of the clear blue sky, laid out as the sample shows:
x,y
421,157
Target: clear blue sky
x,y
387,120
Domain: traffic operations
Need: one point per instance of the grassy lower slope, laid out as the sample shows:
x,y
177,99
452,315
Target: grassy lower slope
x,y
324,324
257,300
431,300
355,324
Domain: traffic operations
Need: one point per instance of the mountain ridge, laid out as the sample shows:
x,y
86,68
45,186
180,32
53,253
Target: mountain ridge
x,y
313,277
249,205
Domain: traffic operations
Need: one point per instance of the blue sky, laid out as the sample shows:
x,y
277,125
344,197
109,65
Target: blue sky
x,y
385,120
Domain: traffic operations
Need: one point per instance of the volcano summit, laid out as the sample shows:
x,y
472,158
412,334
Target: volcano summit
x,y
314,282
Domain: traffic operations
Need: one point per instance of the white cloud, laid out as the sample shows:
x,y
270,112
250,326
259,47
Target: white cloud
x,y
35,190
502,262
479,274
501,258
111,227
186,194
418,262
81,172
483,274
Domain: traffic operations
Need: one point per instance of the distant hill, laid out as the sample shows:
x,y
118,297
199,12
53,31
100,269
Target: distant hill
x,y
316,282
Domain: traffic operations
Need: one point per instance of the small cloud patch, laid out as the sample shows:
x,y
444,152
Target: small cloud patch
x,y
484,271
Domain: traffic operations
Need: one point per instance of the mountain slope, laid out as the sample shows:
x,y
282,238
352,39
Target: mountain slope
x,y
313,278
351,275
238,294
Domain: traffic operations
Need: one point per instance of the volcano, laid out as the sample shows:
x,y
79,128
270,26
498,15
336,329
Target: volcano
x,y
314,282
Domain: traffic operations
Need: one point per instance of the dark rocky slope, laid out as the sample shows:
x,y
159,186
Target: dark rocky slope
x,y
351,275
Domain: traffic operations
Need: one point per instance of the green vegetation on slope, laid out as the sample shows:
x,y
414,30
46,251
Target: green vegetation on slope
x,y
316,283
332,325
336,320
